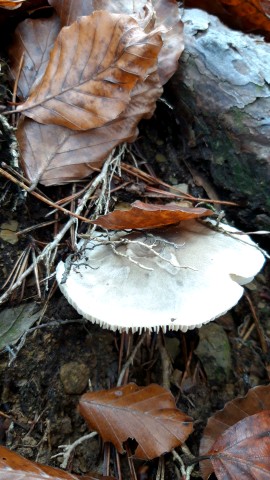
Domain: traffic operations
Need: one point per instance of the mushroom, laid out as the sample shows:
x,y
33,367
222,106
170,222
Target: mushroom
x,y
176,278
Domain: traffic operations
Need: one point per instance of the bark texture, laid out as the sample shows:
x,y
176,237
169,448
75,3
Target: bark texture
x,y
222,97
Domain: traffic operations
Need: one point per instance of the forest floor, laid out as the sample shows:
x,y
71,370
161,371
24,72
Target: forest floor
x,y
39,392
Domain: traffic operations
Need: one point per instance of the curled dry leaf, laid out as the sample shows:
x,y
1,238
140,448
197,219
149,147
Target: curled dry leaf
x,y
86,87
146,414
243,451
11,4
248,15
146,216
14,467
69,10
32,42
166,14
256,400
54,155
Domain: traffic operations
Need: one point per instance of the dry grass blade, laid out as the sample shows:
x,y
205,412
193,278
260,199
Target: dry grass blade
x,y
146,414
84,88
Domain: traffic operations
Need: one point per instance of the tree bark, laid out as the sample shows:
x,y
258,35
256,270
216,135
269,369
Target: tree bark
x,y
222,101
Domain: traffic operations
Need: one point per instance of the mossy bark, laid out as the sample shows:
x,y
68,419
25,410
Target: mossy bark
x,y
222,99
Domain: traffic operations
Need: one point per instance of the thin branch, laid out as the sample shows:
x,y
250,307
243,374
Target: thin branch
x,y
68,449
130,359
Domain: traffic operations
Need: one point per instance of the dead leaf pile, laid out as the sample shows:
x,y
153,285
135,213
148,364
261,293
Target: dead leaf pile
x,y
237,440
91,82
146,414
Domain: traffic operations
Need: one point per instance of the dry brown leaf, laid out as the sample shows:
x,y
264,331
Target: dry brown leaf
x,y
11,4
243,451
33,39
256,400
146,216
16,467
69,10
54,155
167,15
84,88
248,15
146,414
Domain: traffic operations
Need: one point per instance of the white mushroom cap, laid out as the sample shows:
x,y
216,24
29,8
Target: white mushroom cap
x,y
198,279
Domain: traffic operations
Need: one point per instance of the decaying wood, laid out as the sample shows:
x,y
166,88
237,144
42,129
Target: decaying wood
x,y
222,97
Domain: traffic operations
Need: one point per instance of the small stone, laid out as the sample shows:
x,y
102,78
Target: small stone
x,y
74,377
29,441
8,231
214,353
182,187
160,158
66,426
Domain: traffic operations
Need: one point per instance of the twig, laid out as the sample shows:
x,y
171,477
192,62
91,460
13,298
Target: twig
x,y
41,197
152,180
165,362
131,463
130,360
151,248
236,235
190,197
185,471
161,469
35,227
15,88
257,323
68,449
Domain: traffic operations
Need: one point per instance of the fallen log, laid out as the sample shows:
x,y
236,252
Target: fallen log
x,y
222,100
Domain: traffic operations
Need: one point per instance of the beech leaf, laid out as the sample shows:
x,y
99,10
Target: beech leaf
x,y
242,452
167,12
167,15
146,414
90,75
69,10
16,467
53,155
256,400
32,40
146,216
